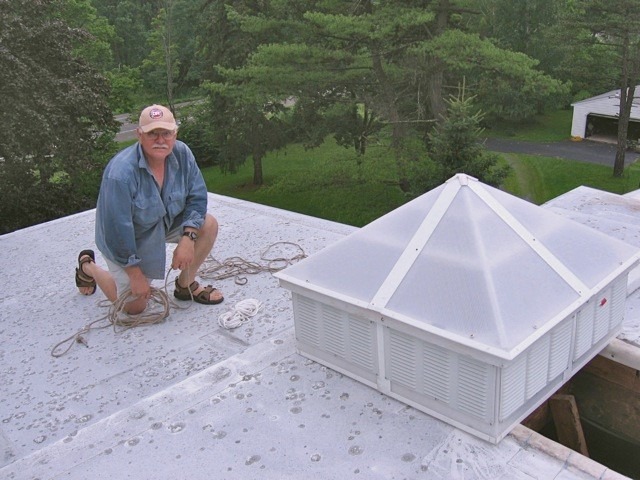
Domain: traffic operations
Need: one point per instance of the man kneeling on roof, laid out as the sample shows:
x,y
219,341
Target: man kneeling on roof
x,y
151,193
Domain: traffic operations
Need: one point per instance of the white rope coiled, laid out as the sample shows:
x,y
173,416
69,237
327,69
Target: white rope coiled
x,y
240,313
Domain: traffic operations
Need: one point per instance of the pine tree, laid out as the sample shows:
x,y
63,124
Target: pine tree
x,y
454,147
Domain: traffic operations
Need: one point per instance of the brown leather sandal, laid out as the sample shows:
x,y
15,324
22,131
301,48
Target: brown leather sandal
x,y
82,279
186,293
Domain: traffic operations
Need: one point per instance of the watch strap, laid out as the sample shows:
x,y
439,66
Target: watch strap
x,y
192,235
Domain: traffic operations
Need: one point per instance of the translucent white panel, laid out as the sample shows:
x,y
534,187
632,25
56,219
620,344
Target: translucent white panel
x,y
356,269
572,245
477,278
529,295
589,254
403,221
357,265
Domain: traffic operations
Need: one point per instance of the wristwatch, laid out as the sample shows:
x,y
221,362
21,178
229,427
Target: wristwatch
x,y
192,235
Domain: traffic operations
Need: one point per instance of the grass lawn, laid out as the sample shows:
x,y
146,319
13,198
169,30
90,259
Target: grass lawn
x,y
331,182
552,127
326,182
539,179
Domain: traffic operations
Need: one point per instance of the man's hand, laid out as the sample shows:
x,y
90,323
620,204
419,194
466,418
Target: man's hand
x,y
183,254
140,287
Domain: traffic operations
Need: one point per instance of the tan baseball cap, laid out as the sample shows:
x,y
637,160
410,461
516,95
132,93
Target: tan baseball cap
x,y
157,116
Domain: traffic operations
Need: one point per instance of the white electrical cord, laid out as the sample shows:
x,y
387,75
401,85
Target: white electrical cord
x,y
240,313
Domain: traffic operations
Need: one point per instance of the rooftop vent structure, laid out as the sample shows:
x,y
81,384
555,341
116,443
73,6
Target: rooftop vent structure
x,y
467,303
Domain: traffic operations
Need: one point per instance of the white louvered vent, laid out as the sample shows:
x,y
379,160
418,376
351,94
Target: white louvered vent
x,y
473,389
306,315
334,338
478,306
328,329
560,351
602,309
403,364
512,391
436,376
618,298
537,366
362,349
584,331
429,370
597,319
541,364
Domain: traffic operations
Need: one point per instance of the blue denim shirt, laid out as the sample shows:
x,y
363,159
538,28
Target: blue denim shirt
x,y
133,216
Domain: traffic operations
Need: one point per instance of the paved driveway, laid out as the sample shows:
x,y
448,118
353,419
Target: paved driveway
x,y
584,151
127,129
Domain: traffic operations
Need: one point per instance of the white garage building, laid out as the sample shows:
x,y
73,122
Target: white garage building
x,y
598,116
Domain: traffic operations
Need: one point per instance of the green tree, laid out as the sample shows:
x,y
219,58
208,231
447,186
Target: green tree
x,y
346,58
58,124
507,85
254,129
172,66
188,27
520,26
454,145
125,83
161,66
237,120
131,20
539,29
390,59
96,47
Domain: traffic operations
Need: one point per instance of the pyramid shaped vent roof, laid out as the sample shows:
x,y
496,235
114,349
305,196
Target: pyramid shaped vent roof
x,y
471,263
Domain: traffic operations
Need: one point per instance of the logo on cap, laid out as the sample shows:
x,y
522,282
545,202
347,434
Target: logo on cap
x,y
156,113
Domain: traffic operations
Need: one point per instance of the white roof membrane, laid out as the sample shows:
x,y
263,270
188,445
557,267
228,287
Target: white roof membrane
x,y
188,399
